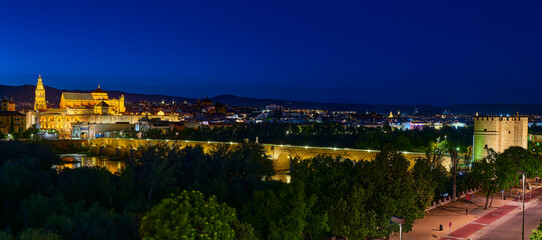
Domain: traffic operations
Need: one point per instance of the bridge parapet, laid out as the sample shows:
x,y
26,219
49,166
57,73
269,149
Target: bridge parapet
x,y
280,154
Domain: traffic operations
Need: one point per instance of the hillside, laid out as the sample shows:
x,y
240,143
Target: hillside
x,y
25,93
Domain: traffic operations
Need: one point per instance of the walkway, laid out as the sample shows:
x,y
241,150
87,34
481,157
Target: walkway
x,y
489,218
463,225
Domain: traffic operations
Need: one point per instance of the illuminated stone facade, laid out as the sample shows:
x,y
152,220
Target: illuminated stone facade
x,y
94,108
10,120
7,105
39,101
62,122
97,98
499,133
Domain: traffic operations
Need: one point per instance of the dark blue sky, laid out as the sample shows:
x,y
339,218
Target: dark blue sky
x,y
430,52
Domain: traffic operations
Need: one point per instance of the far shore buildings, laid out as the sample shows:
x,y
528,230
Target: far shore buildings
x,y
89,108
11,121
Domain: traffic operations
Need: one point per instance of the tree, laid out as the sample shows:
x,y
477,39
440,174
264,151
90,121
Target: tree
x,y
11,125
341,198
536,235
243,231
38,234
89,185
246,163
155,133
361,197
30,133
402,143
4,235
350,217
154,172
284,214
423,173
434,155
454,158
189,215
388,177
485,172
523,160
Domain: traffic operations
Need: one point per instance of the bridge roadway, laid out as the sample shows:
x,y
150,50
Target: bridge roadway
x,y
280,154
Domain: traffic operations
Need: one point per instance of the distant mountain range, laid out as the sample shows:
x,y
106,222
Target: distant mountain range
x,y
25,93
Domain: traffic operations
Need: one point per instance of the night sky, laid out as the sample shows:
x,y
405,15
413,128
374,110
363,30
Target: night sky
x,y
387,52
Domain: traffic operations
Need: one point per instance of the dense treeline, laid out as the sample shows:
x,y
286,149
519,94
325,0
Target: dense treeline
x,y
224,194
29,133
92,203
498,171
323,135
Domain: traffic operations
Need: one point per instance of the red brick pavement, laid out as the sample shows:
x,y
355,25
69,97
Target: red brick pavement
x,y
490,217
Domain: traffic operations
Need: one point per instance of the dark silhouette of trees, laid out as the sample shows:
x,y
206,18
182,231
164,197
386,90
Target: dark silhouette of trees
x,y
327,196
321,135
498,171
189,215
360,197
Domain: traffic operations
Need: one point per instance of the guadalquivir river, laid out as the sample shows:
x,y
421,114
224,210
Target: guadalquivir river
x,y
81,160
115,166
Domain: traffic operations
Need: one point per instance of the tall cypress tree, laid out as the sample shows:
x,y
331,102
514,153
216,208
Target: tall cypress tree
x,y
11,125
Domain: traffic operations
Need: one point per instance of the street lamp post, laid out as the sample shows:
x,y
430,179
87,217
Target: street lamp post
x,y
523,210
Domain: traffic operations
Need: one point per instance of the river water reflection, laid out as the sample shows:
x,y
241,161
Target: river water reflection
x,y
81,160
115,166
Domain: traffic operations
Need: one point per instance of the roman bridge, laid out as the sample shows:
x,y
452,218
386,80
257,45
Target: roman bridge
x,y
280,154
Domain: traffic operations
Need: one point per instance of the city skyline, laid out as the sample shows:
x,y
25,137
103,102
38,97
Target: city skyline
x,y
247,120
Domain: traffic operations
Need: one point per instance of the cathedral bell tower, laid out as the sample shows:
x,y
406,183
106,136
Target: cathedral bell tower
x,y
39,102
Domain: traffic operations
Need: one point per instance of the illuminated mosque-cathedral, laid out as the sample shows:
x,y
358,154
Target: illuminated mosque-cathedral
x,y
92,108
96,102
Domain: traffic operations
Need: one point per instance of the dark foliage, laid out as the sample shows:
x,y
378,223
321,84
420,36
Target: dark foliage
x,y
323,135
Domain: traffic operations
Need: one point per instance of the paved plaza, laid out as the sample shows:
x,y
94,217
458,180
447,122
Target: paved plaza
x,y
480,223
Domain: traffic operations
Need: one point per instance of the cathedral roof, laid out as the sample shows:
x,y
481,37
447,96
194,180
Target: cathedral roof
x,y
103,104
77,96
98,90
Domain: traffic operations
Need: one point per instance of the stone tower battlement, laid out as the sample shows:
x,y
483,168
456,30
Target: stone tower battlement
x,y
499,133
